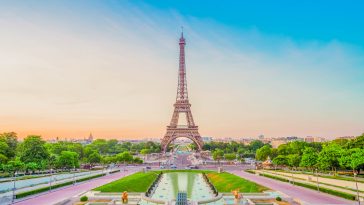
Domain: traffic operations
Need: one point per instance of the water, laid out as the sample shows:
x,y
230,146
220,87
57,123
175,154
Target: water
x,y
192,183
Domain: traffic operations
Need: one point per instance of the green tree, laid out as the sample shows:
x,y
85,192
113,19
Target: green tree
x,y
145,151
94,158
31,166
14,166
352,158
329,156
263,153
68,160
255,145
33,150
230,156
217,155
309,158
293,160
280,160
11,139
124,157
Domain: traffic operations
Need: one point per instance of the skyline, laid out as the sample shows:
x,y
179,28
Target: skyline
x,y
110,68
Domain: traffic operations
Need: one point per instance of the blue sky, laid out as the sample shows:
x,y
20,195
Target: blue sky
x,y
109,67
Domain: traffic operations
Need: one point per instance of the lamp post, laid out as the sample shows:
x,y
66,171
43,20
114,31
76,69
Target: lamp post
x,y
50,180
356,184
14,180
74,172
318,185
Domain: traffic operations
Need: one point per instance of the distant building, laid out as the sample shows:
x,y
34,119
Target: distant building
x,y
311,139
207,139
347,137
90,138
276,142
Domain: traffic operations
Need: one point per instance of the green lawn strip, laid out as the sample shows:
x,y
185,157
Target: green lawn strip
x,y
226,182
44,189
314,187
344,178
138,182
327,184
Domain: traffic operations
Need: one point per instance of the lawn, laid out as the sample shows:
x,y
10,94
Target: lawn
x,y
138,182
226,182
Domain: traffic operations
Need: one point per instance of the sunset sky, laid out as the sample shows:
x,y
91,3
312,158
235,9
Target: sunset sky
x,y
69,68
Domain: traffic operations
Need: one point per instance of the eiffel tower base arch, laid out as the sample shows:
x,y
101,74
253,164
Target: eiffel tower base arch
x,y
174,133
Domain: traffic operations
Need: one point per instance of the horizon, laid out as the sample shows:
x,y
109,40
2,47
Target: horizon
x,y
110,68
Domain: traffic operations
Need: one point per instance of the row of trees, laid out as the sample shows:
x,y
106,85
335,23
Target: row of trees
x,y
232,150
36,154
337,154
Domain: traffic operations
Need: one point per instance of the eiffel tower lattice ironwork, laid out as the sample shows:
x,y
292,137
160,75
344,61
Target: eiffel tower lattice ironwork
x,y
182,105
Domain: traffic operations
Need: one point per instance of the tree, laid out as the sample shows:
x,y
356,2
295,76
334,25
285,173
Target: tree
x,y
94,158
137,160
309,158
68,160
14,166
230,156
31,166
293,160
217,155
11,139
352,158
124,157
33,150
255,145
263,153
329,156
280,160
145,151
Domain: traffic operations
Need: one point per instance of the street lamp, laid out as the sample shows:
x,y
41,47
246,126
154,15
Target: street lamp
x,y
318,185
14,180
50,180
356,183
74,168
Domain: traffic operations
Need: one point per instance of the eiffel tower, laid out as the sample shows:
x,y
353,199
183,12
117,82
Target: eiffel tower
x,y
182,105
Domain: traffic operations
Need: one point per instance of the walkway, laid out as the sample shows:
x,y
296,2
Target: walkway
x,y
332,184
305,195
68,192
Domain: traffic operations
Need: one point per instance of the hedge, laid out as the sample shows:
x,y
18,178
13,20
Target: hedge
x,y
114,171
310,186
44,189
250,171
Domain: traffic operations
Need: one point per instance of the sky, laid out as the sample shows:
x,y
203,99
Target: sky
x,y
283,68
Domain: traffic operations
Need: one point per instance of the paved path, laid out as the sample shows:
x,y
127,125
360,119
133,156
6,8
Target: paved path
x,y
336,182
305,195
65,193
328,183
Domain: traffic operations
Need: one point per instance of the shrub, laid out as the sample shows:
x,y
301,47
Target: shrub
x,y
278,198
83,198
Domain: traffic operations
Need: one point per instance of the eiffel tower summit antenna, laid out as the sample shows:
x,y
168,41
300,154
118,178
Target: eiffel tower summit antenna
x,y
182,105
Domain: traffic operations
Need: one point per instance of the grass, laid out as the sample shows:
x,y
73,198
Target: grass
x,y
226,182
138,182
